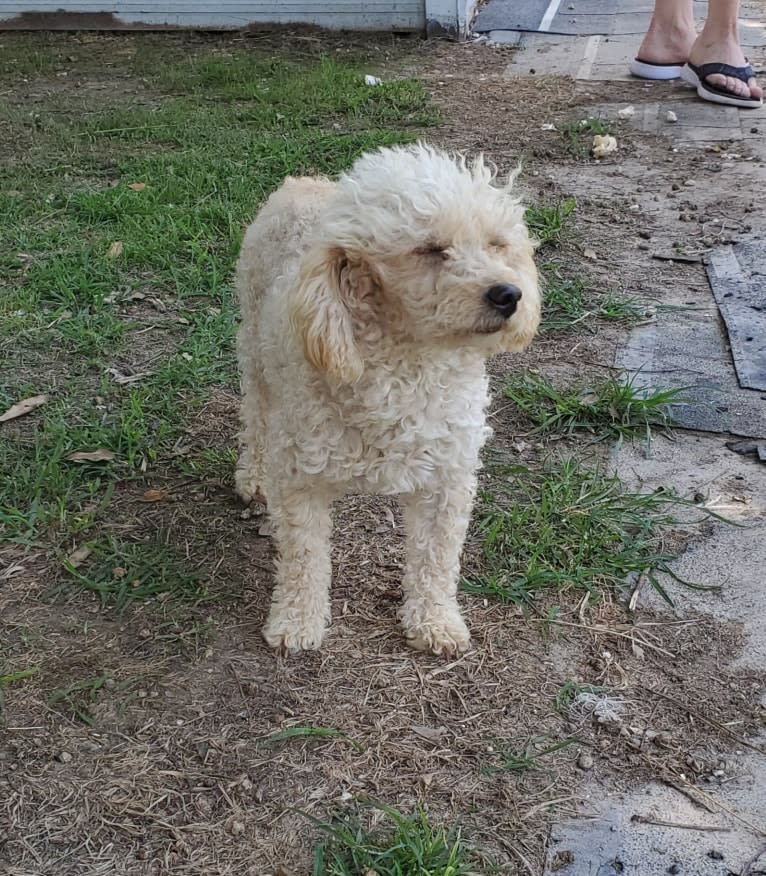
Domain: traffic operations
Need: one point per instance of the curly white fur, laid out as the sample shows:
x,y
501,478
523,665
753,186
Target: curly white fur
x,y
365,330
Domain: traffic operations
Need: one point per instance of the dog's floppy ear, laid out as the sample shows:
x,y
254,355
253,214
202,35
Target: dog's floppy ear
x,y
320,315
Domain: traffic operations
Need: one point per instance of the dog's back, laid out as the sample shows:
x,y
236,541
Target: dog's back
x,y
271,253
274,242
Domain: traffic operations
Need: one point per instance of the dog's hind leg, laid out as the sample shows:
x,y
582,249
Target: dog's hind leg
x,y
436,523
248,479
300,606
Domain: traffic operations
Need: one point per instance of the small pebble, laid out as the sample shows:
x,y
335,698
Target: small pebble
x,y
674,868
64,757
670,116
715,855
585,761
237,828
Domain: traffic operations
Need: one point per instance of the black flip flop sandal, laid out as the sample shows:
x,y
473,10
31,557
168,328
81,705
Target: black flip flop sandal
x,y
696,75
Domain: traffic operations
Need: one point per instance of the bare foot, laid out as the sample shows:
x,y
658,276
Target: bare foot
x,y
667,44
704,52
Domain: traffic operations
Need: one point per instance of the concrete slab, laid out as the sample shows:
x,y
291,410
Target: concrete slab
x,y
614,22
616,72
505,37
620,833
615,49
732,558
696,121
549,54
693,112
510,15
591,7
625,837
753,33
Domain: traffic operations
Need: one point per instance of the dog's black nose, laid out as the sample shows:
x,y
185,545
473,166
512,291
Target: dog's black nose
x,y
503,297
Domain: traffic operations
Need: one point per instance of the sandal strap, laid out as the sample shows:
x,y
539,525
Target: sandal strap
x,y
744,74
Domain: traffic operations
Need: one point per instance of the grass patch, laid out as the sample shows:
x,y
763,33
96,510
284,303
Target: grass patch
x,y
567,527
74,700
308,733
182,636
413,847
121,574
510,758
616,308
105,205
548,222
41,491
613,408
568,304
578,134
283,93
211,463
12,678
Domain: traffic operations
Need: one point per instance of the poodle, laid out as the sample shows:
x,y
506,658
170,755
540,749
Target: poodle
x,y
369,307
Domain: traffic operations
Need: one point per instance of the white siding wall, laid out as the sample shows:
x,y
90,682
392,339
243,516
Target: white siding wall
x,y
452,17
400,15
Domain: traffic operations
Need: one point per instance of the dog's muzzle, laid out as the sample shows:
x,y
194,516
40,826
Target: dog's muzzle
x,y
503,297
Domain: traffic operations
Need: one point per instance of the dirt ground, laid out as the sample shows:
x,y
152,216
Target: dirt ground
x,y
172,771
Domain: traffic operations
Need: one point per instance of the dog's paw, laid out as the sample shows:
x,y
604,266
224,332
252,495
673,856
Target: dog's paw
x,y
247,488
293,635
445,635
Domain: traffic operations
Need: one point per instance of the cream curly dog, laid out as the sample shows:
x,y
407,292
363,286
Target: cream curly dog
x,y
369,307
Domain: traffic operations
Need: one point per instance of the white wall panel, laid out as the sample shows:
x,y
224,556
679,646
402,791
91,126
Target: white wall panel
x,y
399,15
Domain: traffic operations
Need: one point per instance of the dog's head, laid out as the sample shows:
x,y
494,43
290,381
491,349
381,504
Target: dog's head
x,y
418,247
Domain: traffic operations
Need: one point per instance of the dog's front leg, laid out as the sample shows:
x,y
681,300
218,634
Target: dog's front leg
x,y
436,524
300,606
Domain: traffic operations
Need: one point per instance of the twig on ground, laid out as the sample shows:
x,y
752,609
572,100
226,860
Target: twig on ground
x,y
641,819
609,631
711,803
704,718
748,867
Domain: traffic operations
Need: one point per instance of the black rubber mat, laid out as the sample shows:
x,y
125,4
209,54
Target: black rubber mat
x,y
738,278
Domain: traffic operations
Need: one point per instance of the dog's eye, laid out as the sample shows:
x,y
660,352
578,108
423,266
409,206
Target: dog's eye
x,y
432,249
